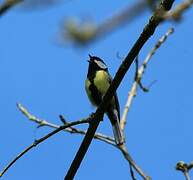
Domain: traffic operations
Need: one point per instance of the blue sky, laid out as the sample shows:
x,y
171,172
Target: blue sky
x,y
48,79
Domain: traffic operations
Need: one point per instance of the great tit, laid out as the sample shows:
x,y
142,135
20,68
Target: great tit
x,y
97,83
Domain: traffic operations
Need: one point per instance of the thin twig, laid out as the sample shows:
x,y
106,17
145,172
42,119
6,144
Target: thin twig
x,y
138,77
127,156
73,130
98,136
132,172
38,141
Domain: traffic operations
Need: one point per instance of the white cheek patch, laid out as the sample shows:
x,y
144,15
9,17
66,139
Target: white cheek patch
x,y
100,64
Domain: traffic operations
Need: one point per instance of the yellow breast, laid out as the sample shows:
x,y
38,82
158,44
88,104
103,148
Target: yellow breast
x,y
101,81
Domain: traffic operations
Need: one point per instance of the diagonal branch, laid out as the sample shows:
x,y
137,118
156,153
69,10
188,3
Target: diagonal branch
x,y
148,31
131,162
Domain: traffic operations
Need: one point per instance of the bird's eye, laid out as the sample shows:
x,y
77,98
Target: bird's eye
x,y
101,64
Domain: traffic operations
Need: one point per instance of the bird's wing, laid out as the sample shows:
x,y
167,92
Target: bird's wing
x,y
115,99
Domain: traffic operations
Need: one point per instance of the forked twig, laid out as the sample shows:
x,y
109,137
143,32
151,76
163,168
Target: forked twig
x,y
138,77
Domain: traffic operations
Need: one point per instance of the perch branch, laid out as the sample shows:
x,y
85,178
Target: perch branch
x,y
73,130
148,31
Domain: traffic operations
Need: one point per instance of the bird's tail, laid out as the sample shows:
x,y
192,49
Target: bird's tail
x,y
114,118
118,133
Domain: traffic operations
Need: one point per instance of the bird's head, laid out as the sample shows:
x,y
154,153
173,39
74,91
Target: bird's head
x,y
95,63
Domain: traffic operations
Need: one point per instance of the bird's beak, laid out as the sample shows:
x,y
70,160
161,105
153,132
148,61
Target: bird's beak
x,y
89,56
89,61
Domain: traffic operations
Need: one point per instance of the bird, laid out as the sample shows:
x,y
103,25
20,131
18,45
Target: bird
x,y
97,83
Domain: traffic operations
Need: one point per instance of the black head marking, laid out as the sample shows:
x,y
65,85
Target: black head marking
x,y
97,62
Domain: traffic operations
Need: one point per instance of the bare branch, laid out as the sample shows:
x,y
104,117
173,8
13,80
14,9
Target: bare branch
x,y
132,172
138,77
127,156
38,141
73,130
98,136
